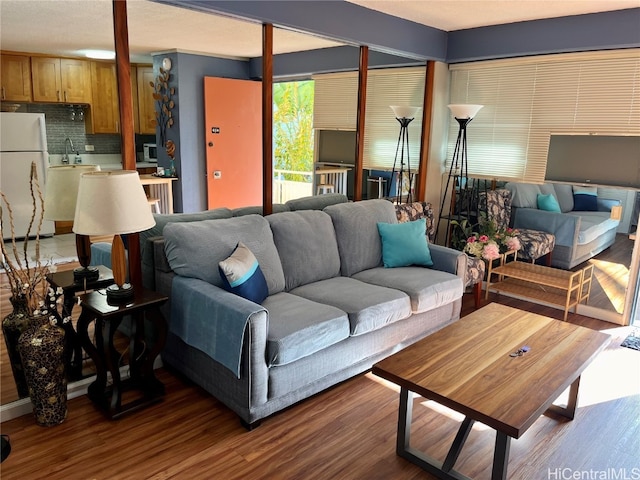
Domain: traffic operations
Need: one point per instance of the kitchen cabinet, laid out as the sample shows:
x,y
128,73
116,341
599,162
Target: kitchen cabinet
x,y
16,78
105,113
146,103
61,80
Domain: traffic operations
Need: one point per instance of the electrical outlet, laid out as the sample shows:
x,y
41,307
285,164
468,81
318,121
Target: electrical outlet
x,y
89,148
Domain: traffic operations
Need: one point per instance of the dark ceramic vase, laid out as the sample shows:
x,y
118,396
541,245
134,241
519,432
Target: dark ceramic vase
x,y
14,325
42,352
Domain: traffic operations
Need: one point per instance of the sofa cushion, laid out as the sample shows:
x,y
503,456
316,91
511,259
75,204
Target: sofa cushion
x,y
548,202
427,288
369,306
299,327
316,202
404,244
258,210
585,199
146,248
357,235
194,249
593,225
523,195
564,195
241,274
307,246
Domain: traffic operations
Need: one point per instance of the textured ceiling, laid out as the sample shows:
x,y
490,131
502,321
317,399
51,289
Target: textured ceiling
x,y
460,14
66,27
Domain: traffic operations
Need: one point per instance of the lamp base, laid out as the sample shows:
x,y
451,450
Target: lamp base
x,y
119,294
86,274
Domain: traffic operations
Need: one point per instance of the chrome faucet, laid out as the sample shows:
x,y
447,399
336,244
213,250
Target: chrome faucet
x,y
65,157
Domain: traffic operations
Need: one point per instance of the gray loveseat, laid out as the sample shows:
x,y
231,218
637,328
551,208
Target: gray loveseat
x,y
333,310
579,234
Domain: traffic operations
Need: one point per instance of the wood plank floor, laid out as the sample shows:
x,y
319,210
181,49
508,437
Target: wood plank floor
x,y
347,432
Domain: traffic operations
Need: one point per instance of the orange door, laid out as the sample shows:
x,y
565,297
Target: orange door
x,y
233,123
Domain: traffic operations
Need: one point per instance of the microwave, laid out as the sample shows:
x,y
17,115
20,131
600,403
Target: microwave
x,y
150,152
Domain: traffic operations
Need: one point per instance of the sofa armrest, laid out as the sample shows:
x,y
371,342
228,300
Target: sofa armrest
x,y
215,302
564,226
449,260
606,204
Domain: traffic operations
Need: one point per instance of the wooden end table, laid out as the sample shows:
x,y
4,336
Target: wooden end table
x,y
70,287
107,317
468,366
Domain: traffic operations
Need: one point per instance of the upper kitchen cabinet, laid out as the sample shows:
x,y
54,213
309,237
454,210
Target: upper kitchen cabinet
x,y
61,80
105,112
146,107
16,78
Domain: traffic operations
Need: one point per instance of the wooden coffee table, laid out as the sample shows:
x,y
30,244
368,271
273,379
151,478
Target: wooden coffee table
x,y
468,367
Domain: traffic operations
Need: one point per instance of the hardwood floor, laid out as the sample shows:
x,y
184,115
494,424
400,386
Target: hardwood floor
x,y
347,432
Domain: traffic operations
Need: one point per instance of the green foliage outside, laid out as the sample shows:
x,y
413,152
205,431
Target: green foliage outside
x,y
293,128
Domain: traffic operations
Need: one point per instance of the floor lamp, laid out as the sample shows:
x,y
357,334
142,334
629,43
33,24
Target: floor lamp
x,y
60,205
405,116
458,172
113,203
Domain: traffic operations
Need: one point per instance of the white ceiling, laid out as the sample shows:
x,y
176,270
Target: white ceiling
x,y
66,27
459,14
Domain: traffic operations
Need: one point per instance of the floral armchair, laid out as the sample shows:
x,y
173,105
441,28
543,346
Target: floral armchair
x,y
534,243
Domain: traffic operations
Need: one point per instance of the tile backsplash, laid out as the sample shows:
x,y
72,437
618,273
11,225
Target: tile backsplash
x,y
60,125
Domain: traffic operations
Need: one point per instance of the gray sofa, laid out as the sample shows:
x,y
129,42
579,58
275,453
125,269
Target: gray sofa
x,y
333,310
579,235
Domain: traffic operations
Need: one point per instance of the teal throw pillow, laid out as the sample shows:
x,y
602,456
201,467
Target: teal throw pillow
x,y
241,274
548,203
404,244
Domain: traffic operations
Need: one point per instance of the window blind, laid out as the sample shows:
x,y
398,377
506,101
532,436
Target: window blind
x,y
335,107
526,100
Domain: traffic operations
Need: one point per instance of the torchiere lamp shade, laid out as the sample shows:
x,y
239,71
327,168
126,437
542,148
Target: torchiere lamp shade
x,y
405,112
463,110
113,203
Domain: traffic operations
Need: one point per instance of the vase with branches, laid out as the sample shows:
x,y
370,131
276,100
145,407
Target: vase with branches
x,y
32,333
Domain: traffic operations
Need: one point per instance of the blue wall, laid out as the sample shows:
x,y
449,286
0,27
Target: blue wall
x,y
188,72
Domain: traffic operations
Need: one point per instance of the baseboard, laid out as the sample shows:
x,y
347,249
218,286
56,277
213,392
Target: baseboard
x,y
23,406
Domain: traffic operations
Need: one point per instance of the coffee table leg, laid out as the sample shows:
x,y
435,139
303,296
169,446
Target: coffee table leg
x,y
570,410
404,421
501,456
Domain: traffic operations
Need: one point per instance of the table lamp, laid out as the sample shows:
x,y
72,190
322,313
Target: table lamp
x,y
60,205
113,203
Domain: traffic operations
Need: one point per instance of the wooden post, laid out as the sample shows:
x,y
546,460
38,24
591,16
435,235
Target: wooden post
x,y
267,119
421,183
362,107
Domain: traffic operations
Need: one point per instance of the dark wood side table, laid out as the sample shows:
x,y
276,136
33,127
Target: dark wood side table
x,y
107,317
70,288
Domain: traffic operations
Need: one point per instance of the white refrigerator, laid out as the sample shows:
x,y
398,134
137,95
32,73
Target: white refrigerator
x,y
23,139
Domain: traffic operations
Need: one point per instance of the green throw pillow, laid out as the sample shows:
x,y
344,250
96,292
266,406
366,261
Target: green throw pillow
x,y
548,203
404,244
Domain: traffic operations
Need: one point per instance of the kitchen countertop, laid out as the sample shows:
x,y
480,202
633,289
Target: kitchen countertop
x,y
106,161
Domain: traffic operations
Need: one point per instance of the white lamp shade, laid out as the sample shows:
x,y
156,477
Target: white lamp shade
x,y
111,203
62,190
405,112
461,110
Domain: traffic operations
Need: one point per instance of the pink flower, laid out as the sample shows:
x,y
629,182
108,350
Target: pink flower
x,y
483,238
513,243
471,239
491,252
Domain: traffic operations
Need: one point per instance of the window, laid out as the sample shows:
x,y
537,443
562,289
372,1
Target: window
x,y
336,102
528,99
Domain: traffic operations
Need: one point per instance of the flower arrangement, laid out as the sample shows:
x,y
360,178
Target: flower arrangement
x,y
489,242
26,276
